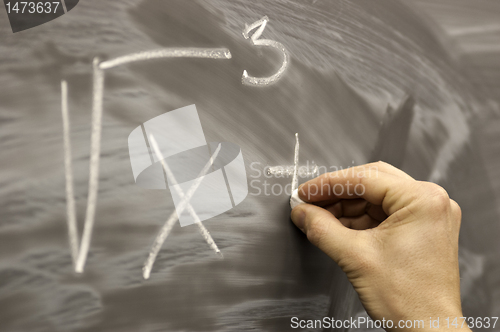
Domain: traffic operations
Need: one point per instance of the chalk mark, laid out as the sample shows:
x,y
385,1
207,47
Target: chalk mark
x,y
211,53
68,170
95,151
261,24
63,2
295,180
282,171
169,224
189,207
97,109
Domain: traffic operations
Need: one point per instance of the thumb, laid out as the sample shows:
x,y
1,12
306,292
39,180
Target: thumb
x,y
323,230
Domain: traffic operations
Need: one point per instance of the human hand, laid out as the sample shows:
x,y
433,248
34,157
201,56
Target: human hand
x,y
396,239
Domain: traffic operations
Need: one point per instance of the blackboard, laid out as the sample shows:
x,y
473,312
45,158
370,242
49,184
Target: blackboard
x,y
358,80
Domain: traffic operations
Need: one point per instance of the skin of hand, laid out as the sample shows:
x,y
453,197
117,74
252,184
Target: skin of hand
x,y
396,239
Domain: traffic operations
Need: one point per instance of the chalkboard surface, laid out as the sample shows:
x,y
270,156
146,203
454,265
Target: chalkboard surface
x,y
358,80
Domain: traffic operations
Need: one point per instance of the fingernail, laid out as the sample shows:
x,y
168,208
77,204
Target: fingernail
x,y
299,218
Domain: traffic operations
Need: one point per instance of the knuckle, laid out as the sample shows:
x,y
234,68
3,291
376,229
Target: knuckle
x,y
456,210
436,196
382,164
438,192
379,165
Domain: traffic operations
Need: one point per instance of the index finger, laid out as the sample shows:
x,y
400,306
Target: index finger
x,y
390,191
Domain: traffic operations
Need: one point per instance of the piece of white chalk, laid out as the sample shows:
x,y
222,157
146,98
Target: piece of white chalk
x,y
295,200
